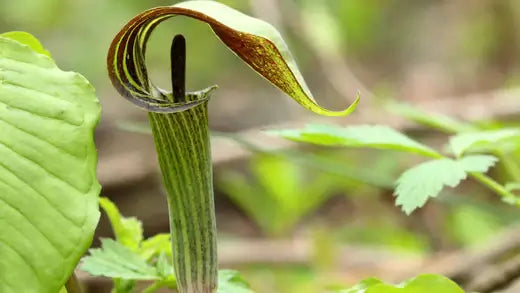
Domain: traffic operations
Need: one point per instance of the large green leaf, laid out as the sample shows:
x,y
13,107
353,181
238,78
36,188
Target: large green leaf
x,y
258,43
421,284
427,180
48,186
376,136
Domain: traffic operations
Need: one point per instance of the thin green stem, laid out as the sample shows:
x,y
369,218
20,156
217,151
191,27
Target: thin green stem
x,y
493,185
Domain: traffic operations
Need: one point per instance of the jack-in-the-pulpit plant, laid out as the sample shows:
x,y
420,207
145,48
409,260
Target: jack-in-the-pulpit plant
x,y
179,121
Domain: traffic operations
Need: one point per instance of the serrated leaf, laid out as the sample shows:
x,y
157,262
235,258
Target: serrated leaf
x,y
462,143
376,136
232,282
128,231
48,186
256,42
421,284
477,163
114,260
418,184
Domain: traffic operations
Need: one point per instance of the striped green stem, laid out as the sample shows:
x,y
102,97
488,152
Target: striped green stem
x,y
183,149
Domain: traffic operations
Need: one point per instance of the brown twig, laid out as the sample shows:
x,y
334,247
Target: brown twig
x,y
73,284
496,277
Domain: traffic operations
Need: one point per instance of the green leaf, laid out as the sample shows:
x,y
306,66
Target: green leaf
x,y
27,39
464,142
128,231
377,136
477,163
114,260
256,42
280,194
279,177
123,286
156,245
421,284
232,282
164,267
427,180
435,121
48,186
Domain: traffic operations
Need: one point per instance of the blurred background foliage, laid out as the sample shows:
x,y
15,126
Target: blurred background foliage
x,y
409,50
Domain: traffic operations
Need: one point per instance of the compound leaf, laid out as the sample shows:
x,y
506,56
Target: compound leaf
x,y
426,180
48,186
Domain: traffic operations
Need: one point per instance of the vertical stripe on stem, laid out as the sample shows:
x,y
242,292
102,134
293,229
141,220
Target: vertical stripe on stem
x,y
183,148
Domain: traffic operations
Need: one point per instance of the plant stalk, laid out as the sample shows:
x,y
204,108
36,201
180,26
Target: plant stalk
x,y
490,183
182,141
